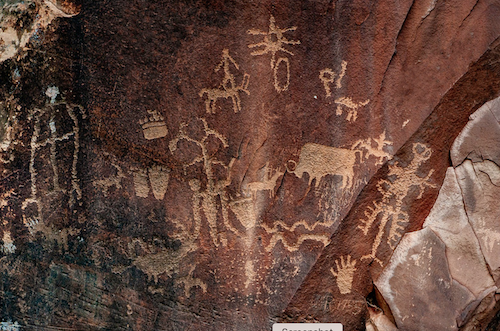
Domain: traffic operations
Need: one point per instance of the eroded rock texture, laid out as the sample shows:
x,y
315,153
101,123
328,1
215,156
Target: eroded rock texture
x,y
222,165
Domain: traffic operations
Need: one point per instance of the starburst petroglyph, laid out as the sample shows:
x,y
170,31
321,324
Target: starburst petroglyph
x,y
274,42
344,274
228,87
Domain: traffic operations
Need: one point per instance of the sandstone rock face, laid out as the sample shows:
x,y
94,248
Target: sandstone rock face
x,y
452,263
221,165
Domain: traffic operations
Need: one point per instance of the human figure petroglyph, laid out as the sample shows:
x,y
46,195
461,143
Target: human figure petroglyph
x,y
51,140
344,274
228,87
394,191
153,126
274,42
208,198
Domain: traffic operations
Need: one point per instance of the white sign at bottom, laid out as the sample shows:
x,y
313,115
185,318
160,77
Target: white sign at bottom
x,y
307,327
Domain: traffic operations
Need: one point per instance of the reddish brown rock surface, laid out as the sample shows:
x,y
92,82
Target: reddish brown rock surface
x,y
221,165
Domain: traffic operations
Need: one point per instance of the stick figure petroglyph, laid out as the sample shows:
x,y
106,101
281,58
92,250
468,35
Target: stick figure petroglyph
x,y
274,41
400,183
49,137
207,199
228,87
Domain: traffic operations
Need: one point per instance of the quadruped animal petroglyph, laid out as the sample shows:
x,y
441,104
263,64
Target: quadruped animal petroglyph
x,y
319,161
228,87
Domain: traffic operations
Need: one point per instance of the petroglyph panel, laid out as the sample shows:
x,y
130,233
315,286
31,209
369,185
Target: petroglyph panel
x,y
209,199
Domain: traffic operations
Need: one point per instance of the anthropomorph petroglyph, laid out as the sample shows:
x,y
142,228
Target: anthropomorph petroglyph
x,y
401,180
344,274
48,136
274,42
228,87
153,125
319,160
156,176
208,197
327,76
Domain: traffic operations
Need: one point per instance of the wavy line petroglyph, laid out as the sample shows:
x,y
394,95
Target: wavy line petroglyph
x,y
279,227
228,87
153,125
394,190
344,274
274,42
